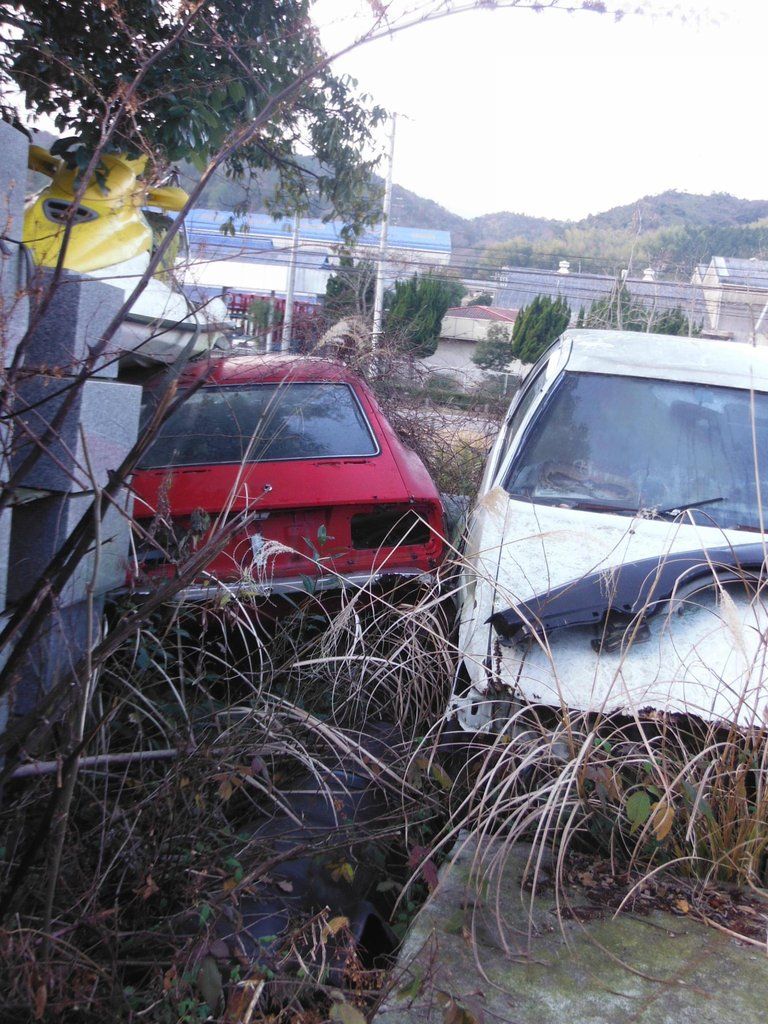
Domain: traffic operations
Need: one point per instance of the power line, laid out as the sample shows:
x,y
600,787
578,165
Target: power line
x,y
367,251
499,277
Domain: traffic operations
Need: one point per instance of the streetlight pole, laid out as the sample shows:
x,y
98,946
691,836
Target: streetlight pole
x,y
378,301
288,317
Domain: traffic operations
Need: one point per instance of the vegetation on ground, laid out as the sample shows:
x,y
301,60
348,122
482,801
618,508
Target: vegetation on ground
x,y
204,723
450,425
620,312
210,733
148,801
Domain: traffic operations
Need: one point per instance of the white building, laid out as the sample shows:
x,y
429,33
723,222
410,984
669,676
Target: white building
x,y
735,296
461,329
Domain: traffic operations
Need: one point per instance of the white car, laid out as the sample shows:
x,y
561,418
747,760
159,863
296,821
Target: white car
x,y
614,559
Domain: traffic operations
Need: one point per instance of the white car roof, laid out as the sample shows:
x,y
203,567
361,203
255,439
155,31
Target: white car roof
x,y
666,357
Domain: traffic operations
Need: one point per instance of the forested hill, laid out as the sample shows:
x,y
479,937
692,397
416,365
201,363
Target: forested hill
x,y
672,232
681,209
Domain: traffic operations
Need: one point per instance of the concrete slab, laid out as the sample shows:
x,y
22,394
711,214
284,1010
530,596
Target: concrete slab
x,y
63,642
4,699
14,299
656,969
14,147
14,302
78,312
40,527
5,543
98,430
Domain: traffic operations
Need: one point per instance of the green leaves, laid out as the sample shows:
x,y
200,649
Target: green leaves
x,y
417,307
494,352
537,326
184,90
638,809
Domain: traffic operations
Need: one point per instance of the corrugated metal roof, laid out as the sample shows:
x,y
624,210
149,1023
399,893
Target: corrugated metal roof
x,y
260,225
520,286
744,273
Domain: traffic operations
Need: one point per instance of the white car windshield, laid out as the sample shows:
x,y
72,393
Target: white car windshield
x,y
623,444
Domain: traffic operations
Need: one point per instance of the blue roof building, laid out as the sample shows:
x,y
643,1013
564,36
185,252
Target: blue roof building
x,y
256,258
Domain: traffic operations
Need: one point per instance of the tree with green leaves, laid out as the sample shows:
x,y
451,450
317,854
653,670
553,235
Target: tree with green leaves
x,y
494,352
619,311
483,299
537,326
416,307
222,81
351,290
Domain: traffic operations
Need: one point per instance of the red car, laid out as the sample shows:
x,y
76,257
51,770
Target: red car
x,y
301,443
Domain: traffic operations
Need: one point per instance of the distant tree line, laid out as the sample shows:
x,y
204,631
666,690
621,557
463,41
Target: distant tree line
x,y
544,320
674,252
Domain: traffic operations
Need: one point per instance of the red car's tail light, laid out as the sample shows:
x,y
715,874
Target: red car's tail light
x,y
389,527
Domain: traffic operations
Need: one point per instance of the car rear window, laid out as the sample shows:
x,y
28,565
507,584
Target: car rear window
x,y
263,423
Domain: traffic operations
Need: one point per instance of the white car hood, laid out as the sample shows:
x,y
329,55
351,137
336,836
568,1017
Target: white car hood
x,y
705,658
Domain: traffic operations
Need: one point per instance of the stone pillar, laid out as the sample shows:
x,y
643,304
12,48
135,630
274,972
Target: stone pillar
x,y
14,266
97,430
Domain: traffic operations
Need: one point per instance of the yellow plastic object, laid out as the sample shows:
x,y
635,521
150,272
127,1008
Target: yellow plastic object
x,y
108,226
167,198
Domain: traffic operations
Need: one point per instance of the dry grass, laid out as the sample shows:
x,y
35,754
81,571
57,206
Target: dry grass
x,y
452,430
161,856
649,792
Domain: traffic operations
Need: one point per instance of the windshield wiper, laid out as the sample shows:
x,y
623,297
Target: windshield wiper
x,y
597,506
677,510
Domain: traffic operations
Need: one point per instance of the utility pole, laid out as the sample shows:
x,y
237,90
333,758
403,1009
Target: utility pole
x,y
288,318
378,302
270,336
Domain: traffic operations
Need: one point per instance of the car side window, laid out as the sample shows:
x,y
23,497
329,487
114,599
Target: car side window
x,y
518,414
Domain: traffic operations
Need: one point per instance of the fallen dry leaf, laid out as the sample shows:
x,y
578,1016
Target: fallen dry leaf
x,y
41,1000
335,925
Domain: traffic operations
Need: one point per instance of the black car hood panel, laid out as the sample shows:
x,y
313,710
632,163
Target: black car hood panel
x,y
644,586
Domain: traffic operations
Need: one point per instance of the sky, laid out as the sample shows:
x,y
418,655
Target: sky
x,y
562,115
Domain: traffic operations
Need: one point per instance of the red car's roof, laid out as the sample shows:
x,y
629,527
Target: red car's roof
x,y
270,368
